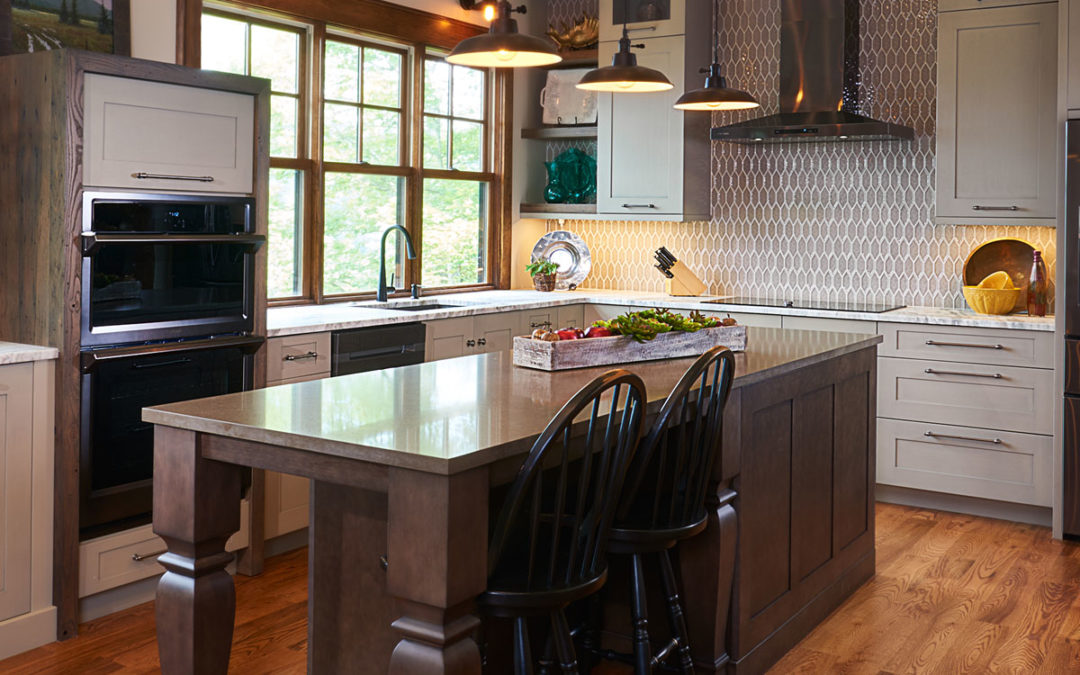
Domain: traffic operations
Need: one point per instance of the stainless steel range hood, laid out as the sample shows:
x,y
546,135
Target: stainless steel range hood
x,y
819,81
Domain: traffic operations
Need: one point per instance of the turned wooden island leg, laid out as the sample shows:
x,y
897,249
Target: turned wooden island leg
x,y
196,509
437,552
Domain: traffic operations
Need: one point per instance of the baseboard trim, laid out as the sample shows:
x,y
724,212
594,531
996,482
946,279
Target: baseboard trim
x,y
987,508
25,632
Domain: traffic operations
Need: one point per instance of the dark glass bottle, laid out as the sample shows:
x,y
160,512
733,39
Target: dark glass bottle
x,y
1038,290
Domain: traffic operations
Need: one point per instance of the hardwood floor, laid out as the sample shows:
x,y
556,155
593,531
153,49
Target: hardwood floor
x,y
953,594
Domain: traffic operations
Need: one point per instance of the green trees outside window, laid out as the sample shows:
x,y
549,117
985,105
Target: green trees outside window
x,y
354,153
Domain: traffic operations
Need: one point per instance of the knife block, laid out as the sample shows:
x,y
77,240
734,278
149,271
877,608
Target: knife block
x,y
683,282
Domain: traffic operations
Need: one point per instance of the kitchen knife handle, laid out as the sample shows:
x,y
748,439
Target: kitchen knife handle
x,y
665,272
979,207
995,441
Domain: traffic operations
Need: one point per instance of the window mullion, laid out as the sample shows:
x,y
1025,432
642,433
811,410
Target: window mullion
x,y
315,210
416,162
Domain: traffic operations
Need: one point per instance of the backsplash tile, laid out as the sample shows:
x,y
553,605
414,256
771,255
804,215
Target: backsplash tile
x,y
838,221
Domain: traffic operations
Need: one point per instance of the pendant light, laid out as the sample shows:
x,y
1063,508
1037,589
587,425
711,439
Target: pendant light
x,y
716,95
502,46
624,75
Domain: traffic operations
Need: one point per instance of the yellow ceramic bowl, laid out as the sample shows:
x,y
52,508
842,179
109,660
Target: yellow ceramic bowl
x,y
991,300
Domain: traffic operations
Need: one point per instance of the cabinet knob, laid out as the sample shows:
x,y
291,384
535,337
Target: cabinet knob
x,y
482,341
470,343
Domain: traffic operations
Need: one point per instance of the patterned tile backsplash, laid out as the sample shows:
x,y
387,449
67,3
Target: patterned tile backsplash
x,y
835,221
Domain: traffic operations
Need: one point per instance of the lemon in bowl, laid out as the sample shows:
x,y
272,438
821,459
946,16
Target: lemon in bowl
x,y
995,294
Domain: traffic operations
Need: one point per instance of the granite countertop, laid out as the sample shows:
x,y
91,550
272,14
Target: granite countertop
x,y
452,415
14,352
318,318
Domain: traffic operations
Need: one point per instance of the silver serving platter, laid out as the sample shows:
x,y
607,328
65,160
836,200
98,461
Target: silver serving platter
x,y
569,252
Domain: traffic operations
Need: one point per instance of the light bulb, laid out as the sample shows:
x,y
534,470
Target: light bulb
x,y
489,13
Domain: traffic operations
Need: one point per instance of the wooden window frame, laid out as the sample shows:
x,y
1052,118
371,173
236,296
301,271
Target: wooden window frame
x,y
413,30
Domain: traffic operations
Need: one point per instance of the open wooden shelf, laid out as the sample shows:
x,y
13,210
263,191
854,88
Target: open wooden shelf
x,y
550,133
558,210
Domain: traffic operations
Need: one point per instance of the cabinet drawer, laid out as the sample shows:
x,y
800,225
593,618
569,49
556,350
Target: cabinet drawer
x,y
953,5
985,396
203,138
973,462
748,319
110,561
831,325
1033,349
296,356
570,316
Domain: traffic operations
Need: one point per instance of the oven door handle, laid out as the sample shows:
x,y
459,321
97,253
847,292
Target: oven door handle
x,y
92,241
90,360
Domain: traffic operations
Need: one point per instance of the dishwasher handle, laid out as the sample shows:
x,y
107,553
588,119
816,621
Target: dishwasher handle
x,y
382,351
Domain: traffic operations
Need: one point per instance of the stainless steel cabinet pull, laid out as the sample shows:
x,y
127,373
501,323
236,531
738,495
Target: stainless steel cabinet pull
x,y
542,324
931,371
995,441
482,341
470,343
643,28
979,207
142,175
300,357
935,343
139,557
639,206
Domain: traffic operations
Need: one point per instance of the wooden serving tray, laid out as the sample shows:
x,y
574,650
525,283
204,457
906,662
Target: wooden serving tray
x,y
586,353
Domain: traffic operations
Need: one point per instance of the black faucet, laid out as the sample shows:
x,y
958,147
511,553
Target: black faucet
x,y
410,253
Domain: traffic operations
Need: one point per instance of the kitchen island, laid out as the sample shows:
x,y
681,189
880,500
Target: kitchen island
x,y
403,461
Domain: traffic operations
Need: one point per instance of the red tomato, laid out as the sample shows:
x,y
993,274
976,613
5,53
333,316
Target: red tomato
x,y
597,331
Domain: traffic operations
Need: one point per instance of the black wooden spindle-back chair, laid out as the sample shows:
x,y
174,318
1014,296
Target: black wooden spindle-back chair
x,y
548,544
663,499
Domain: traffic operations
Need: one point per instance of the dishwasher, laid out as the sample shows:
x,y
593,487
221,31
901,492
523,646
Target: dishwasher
x,y
362,349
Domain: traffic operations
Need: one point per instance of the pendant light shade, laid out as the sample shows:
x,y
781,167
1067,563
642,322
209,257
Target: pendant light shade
x,y
624,75
503,47
716,95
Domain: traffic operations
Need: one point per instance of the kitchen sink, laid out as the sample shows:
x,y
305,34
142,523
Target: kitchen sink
x,y
420,308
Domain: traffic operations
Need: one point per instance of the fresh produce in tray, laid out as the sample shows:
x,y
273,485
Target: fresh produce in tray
x,y
641,326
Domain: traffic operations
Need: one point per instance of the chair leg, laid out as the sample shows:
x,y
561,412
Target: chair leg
x,y
675,614
639,613
590,631
564,643
523,663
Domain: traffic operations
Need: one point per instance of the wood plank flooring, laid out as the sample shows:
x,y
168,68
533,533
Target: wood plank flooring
x,y
953,594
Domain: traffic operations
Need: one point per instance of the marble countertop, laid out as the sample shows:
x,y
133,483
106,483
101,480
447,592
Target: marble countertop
x,y
318,318
14,352
452,415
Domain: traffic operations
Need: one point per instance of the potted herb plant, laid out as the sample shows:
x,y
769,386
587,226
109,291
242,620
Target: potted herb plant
x,y
543,274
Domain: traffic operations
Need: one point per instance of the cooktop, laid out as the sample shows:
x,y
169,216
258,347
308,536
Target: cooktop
x,y
831,305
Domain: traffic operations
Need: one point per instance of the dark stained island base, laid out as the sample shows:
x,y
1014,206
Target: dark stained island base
x,y
403,462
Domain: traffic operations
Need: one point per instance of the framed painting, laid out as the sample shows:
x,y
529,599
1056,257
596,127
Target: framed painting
x,y
94,25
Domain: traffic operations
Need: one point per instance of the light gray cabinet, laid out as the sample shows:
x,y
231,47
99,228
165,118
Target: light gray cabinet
x,y
653,160
996,134
27,613
1073,57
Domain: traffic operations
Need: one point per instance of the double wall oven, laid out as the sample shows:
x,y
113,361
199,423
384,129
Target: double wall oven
x,y
168,314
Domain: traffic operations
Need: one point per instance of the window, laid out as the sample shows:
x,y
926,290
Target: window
x,y
354,151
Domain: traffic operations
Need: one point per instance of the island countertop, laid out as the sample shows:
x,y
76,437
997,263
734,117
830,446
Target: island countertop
x,y
449,416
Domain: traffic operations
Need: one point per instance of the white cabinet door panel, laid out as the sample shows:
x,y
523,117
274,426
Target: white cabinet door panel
x,y
997,138
16,388
203,138
640,147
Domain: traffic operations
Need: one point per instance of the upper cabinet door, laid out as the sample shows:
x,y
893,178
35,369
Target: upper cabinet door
x,y
1073,63
643,18
640,141
150,135
996,137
